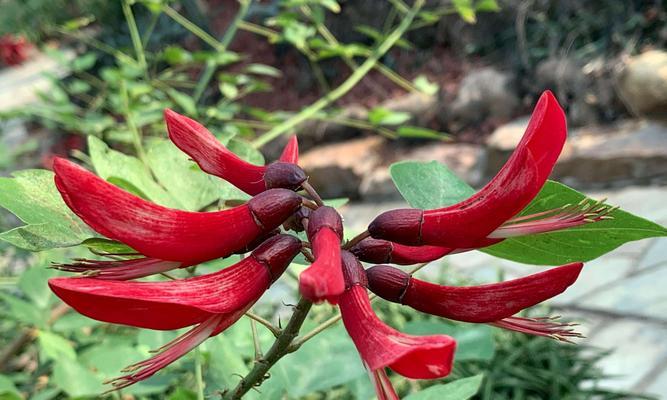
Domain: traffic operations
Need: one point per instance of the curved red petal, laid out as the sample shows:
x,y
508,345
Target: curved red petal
x,y
323,279
164,233
516,184
211,156
290,153
165,305
408,255
179,303
488,303
416,357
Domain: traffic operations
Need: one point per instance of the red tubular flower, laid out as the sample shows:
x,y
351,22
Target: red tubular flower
x,y
380,346
382,251
323,279
469,223
14,50
207,151
494,303
214,301
166,237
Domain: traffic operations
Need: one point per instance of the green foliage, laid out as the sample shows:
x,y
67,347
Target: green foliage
x,y
432,185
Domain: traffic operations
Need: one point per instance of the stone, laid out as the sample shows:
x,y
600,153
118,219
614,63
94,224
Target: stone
x,y
337,170
628,151
636,346
642,84
636,295
485,93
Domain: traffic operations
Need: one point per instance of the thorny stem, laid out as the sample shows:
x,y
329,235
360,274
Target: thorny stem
x,y
346,86
272,328
279,349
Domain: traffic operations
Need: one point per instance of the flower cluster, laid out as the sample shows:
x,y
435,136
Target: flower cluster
x,y
14,49
166,239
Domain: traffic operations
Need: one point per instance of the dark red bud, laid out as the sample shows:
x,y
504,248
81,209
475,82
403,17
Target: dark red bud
x,y
261,239
353,271
284,175
388,282
295,221
400,226
374,251
325,217
277,252
272,207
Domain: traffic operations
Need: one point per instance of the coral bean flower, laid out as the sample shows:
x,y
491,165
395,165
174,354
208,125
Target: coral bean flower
x,y
382,251
380,346
323,279
494,304
213,301
486,217
214,158
164,237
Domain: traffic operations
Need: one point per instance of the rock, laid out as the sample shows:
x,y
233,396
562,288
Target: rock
x,y
566,77
629,151
337,170
642,84
359,169
484,93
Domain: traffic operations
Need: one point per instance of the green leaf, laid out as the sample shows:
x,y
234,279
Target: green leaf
x,y
111,163
473,342
101,246
262,69
8,390
466,10
75,379
23,311
420,133
424,85
183,180
460,389
428,185
32,196
432,185
54,346
383,116
33,283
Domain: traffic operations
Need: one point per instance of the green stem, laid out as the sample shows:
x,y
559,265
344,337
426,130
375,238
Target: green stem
x,y
346,86
207,75
279,349
194,29
136,135
199,380
134,35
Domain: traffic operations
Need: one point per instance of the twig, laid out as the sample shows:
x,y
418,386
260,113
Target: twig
x,y
272,328
355,240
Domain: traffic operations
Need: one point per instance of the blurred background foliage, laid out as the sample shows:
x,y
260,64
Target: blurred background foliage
x,y
246,70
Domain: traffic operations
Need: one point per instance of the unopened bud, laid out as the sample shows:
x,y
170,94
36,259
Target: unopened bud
x,y
325,217
353,271
400,226
388,282
274,206
284,175
277,252
374,251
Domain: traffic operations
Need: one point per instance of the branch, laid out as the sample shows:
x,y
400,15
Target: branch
x,y
278,350
344,87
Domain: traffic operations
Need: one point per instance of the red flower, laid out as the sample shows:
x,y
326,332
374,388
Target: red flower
x,y
382,251
380,346
485,218
323,279
494,303
214,301
167,238
14,50
207,151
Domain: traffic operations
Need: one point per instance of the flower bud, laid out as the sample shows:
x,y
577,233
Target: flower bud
x,y
388,282
276,253
374,251
272,207
401,226
284,175
325,217
295,221
353,271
